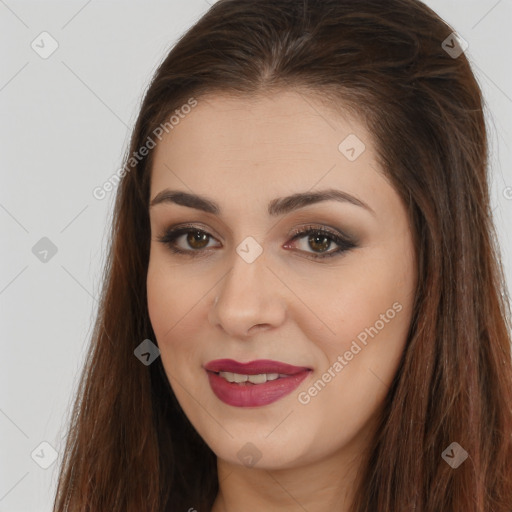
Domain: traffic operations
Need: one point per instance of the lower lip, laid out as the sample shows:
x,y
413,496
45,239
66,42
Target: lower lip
x,y
254,395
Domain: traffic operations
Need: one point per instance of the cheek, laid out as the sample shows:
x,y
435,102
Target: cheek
x,y
368,310
371,299
173,305
174,292
370,314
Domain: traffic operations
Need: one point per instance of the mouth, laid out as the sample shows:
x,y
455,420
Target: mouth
x,y
255,383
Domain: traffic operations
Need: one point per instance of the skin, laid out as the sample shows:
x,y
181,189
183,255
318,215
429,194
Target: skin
x,y
285,305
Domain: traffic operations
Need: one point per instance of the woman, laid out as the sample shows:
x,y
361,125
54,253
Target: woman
x,y
303,306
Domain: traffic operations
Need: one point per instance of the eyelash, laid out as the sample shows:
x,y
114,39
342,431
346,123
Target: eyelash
x,y
344,243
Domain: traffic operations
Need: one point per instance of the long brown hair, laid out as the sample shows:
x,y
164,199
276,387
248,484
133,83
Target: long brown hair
x,y
130,447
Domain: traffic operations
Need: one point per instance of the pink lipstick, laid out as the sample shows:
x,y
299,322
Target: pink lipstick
x,y
253,384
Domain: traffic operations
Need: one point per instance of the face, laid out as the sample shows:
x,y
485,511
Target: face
x,y
324,284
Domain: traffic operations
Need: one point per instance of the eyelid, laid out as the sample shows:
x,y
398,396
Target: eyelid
x,y
192,226
324,228
295,231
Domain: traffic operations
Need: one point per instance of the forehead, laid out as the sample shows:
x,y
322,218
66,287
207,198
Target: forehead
x,y
262,126
265,146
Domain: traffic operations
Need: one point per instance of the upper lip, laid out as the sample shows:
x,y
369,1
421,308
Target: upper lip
x,y
253,367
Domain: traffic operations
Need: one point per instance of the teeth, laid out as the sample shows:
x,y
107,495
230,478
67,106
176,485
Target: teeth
x,y
254,379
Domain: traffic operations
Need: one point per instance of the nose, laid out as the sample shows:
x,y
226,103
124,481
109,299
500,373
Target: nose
x,y
247,299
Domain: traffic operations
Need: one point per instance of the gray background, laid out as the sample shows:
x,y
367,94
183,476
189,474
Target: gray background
x,y
65,122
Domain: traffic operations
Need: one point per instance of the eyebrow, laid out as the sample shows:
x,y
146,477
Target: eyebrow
x,y
279,206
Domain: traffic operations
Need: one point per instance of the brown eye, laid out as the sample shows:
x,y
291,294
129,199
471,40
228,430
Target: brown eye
x,y
316,242
197,239
194,242
312,241
319,243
